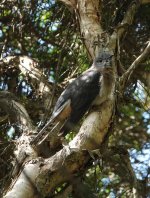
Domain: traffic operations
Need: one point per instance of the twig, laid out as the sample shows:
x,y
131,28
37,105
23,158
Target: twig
x,y
127,75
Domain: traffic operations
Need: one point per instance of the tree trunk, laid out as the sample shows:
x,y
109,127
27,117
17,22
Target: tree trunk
x,y
38,177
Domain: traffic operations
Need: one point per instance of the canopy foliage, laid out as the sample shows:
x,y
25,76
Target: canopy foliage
x,y
49,33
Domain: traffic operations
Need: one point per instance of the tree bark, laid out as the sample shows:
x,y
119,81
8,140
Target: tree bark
x,y
40,177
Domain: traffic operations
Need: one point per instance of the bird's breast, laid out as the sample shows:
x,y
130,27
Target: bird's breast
x,y
105,92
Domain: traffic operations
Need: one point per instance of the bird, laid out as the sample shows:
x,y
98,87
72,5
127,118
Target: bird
x,y
90,88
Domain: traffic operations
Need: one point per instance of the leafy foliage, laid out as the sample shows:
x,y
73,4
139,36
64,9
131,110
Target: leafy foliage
x,y
47,32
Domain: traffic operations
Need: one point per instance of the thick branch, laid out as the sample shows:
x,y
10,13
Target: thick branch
x,y
90,24
16,111
19,116
127,20
94,128
87,13
61,167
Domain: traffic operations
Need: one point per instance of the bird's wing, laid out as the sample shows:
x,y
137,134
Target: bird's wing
x,y
75,99
84,94
63,111
79,94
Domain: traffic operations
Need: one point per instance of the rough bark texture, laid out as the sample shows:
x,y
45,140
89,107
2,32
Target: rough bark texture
x,y
39,177
87,12
17,113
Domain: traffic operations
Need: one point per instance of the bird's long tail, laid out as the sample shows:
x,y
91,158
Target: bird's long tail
x,y
43,133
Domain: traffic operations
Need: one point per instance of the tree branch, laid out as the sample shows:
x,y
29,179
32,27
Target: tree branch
x,y
16,111
29,68
127,75
70,3
87,13
18,115
60,168
127,20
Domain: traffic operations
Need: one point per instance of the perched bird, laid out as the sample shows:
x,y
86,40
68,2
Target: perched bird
x,y
92,87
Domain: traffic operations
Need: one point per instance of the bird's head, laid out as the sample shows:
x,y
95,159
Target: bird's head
x,y
103,62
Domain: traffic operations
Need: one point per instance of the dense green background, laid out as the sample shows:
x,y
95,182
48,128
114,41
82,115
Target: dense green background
x,y
47,32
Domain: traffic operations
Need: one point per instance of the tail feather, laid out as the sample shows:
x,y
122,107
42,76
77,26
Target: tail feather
x,y
42,133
